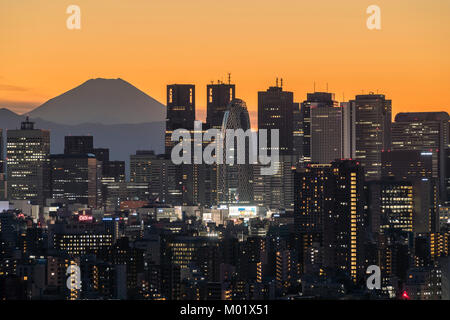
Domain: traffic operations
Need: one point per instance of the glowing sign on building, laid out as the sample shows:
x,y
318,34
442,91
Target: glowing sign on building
x,y
242,212
85,218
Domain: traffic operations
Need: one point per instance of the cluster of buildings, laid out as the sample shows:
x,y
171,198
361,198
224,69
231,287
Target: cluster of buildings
x,y
354,189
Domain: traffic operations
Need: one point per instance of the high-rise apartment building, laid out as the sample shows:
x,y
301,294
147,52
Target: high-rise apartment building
x,y
329,206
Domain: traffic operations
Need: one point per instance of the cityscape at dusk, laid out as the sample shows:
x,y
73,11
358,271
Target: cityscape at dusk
x,y
208,151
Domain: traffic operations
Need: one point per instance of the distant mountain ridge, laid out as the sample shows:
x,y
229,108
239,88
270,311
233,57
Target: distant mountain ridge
x,y
122,139
103,101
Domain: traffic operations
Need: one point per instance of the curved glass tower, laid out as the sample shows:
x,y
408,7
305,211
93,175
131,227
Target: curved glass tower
x,y
235,181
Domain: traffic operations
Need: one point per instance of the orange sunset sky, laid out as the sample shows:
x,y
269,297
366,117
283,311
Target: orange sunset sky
x,y
151,43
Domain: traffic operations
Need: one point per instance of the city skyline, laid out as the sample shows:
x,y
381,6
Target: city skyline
x,y
339,51
232,151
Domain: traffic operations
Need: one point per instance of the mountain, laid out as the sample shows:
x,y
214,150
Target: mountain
x,y
9,119
103,101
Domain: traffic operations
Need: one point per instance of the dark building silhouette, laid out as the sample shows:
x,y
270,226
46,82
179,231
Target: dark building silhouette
x,y
408,164
78,144
102,154
112,171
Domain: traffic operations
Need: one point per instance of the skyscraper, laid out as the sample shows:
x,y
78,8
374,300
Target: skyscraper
x,y
314,100
425,132
218,97
373,117
180,110
326,133
329,205
28,163
235,181
276,111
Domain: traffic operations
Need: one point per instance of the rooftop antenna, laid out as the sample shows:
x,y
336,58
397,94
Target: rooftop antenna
x,y
276,82
229,78
281,82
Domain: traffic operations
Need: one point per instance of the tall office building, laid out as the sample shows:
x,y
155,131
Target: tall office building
x,y
78,144
180,111
218,97
235,181
373,117
276,111
326,133
28,150
314,100
425,132
76,178
419,169
390,205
